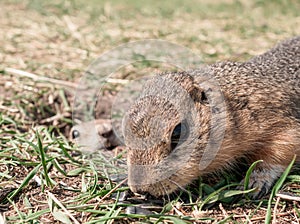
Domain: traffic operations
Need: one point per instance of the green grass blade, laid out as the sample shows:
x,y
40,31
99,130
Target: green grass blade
x,y
25,181
65,152
248,174
58,167
49,181
276,188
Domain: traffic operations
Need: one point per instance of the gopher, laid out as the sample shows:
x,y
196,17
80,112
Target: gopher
x,y
94,135
191,123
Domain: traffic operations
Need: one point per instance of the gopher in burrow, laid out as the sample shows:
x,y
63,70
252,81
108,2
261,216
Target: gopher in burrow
x,y
94,135
192,123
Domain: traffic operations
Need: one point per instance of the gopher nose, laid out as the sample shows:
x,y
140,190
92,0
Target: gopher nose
x,y
138,189
141,192
135,189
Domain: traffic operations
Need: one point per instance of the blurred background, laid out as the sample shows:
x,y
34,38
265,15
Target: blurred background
x,y
60,38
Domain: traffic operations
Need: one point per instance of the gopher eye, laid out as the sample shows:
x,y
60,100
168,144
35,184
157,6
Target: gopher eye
x,y
180,132
107,134
75,134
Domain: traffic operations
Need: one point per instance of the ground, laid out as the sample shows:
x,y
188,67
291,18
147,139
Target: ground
x,y
44,177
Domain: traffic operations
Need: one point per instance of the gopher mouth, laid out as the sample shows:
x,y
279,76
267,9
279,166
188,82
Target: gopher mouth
x,y
156,181
164,187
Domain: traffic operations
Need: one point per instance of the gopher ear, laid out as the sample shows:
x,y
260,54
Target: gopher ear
x,y
199,95
203,98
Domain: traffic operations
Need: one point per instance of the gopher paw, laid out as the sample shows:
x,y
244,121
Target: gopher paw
x,y
262,179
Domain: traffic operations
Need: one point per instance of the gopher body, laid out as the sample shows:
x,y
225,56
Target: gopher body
x,y
192,123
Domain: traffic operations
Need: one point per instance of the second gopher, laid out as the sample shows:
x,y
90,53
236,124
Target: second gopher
x,y
169,128
94,135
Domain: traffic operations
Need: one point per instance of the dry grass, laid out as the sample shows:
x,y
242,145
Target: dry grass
x,y
59,39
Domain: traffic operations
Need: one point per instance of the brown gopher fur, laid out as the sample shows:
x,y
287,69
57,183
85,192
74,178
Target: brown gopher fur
x,y
179,118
